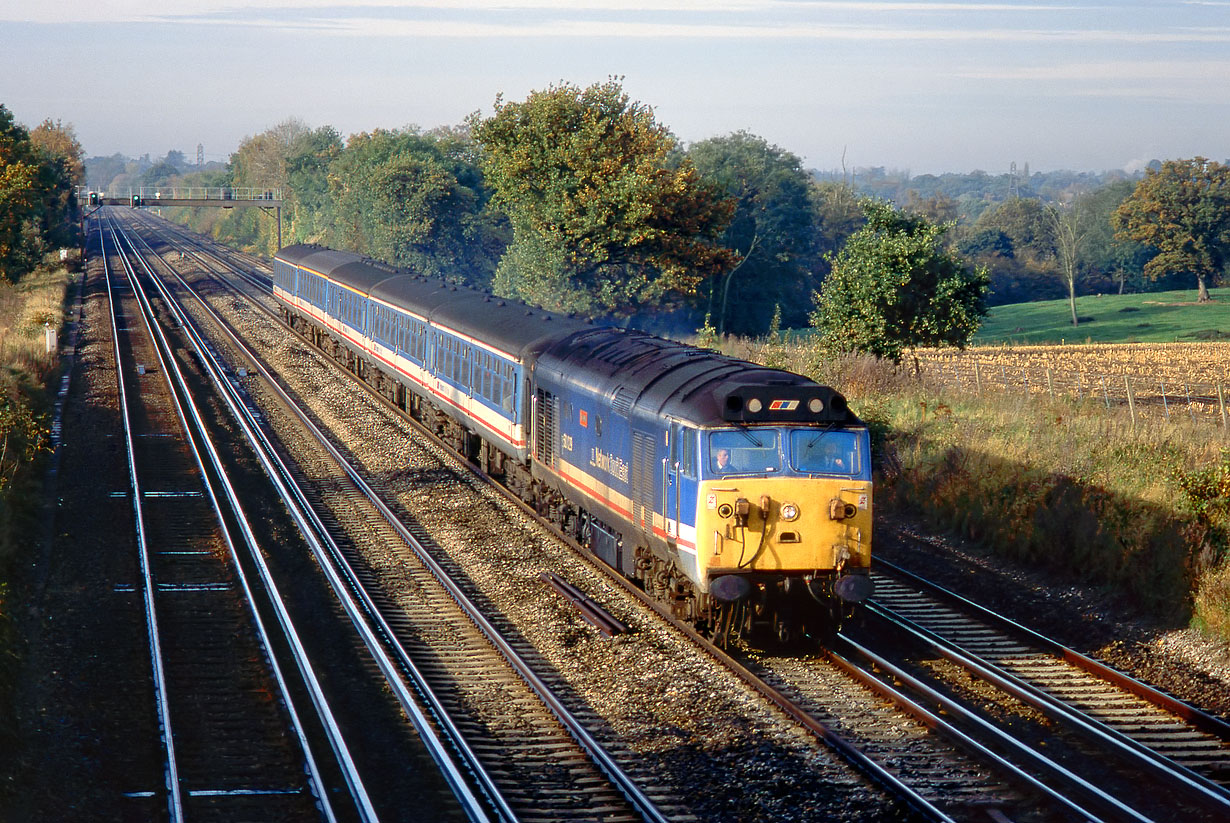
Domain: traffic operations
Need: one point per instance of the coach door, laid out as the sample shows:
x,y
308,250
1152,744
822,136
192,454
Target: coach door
x,y
643,471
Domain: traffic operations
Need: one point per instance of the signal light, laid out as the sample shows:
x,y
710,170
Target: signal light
x,y
93,198
136,201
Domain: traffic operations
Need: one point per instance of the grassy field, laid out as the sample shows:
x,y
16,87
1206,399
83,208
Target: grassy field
x,y
1158,317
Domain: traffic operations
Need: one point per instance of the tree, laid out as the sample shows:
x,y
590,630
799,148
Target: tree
x,y
415,200
893,288
1116,261
260,161
19,196
59,140
306,207
606,216
773,232
1067,231
1183,210
38,210
838,213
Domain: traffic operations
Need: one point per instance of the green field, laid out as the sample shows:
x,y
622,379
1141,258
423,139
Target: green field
x,y
1158,317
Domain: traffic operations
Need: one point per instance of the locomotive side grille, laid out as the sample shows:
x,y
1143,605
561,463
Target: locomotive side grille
x,y
642,480
546,429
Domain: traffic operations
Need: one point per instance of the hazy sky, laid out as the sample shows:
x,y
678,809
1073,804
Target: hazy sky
x,y
917,85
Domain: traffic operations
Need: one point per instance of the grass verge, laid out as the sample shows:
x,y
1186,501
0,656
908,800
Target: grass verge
x,y
27,310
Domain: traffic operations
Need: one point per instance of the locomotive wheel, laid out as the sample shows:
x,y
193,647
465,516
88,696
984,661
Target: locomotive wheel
x,y
784,631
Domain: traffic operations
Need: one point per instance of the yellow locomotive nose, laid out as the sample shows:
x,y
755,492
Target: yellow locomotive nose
x,y
804,527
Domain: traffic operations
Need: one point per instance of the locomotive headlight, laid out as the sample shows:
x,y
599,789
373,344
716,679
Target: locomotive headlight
x,y
815,405
754,405
789,511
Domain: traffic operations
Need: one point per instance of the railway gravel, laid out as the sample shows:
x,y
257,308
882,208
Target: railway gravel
x,y
688,724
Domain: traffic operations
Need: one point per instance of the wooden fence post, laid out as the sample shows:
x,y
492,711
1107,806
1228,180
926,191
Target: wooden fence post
x,y
1221,401
977,379
1165,405
1050,385
1131,399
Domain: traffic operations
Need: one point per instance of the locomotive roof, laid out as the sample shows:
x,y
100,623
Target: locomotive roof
x,y
643,375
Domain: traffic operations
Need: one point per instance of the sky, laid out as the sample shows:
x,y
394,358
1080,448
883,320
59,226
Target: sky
x,y
913,85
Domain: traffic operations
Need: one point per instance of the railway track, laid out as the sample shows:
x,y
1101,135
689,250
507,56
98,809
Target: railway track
x,y
1158,754
957,777
539,760
347,702
229,749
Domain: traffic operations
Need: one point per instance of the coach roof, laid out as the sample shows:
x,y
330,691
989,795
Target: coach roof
x,y
505,324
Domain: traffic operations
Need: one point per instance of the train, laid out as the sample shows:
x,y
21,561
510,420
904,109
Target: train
x,y
738,496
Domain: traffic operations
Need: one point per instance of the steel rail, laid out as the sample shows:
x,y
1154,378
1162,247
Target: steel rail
x,y
320,701
1200,719
175,804
934,721
1204,790
171,367
345,583
1087,790
597,753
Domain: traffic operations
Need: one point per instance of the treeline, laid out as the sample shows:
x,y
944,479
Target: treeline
x,y
575,198
578,199
40,169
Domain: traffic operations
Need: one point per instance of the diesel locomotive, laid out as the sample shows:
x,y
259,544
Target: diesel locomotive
x,y
739,496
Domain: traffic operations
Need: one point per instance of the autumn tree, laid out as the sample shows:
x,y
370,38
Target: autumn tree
x,y
894,287
414,199
38,209
260,161
773,231
1182,209
606,215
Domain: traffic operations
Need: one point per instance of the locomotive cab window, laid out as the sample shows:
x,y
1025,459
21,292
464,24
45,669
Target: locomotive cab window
x,y
827,452
742,451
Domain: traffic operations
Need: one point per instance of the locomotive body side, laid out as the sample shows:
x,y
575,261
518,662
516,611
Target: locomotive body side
x,y
637,424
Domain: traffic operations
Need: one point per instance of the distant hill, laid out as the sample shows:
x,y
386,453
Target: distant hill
x,y
1155,317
